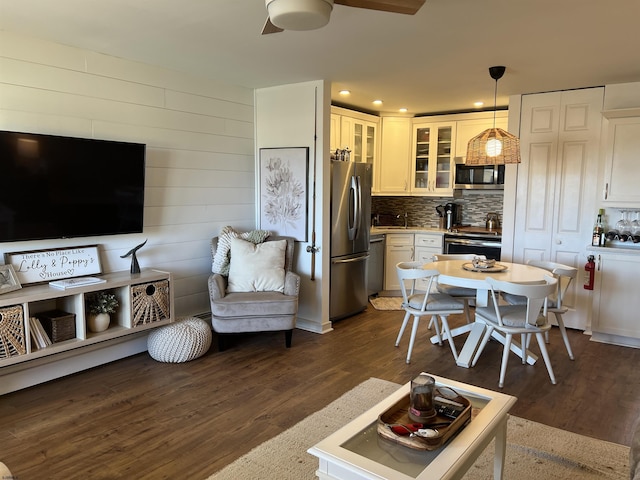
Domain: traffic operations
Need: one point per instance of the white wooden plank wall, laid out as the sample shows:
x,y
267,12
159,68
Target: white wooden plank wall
x,y
200,149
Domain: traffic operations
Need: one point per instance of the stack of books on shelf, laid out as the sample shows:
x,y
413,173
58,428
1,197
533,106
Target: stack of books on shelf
x,y
38,334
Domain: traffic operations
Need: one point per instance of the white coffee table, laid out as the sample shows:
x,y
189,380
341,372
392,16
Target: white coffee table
x,y
357,452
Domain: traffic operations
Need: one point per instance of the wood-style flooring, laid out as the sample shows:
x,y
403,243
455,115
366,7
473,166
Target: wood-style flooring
x,y
140,419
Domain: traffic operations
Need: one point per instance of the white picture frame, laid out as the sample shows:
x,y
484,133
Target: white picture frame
x,y
283,195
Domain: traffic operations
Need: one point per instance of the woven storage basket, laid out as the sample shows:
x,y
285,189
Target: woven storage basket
x,y
150,302
12,337
59,325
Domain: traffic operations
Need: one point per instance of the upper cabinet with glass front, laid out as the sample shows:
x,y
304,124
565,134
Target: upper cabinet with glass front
x,y
357,131
432,158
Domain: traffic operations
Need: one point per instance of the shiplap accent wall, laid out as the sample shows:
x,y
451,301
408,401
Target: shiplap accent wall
x,y
200,171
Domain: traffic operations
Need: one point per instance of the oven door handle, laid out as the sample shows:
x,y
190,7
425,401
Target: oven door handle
x,y
464,241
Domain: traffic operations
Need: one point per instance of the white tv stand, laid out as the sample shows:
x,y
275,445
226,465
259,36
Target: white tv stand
x,y
146,301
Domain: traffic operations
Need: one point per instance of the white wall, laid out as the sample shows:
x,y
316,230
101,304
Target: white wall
x,y
290,116
200,151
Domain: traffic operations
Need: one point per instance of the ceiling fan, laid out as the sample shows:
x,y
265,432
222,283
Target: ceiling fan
x,y
312,14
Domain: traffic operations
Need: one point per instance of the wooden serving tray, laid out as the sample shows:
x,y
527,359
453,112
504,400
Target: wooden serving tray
x,y
496,267
399,414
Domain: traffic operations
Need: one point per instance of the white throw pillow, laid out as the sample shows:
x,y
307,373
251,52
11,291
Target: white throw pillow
x,y
256,268
221,258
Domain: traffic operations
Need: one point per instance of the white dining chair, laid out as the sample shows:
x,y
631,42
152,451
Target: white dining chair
x,y
460,293
565,275
425,303
524,320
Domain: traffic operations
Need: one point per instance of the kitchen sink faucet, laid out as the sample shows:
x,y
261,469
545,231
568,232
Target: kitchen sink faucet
x,y
406,218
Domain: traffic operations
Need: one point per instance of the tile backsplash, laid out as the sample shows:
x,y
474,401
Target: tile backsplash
x,y
421,211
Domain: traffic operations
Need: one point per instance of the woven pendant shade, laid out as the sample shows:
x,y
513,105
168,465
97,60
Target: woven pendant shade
x,y
494,146
477,148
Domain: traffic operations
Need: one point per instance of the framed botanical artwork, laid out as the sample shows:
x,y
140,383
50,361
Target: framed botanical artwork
x,y
8,279
283,195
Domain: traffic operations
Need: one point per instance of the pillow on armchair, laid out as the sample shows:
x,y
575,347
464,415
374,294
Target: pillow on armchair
x,y
221,258
257,267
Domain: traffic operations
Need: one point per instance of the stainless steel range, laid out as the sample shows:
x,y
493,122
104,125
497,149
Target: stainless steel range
x,y
478,240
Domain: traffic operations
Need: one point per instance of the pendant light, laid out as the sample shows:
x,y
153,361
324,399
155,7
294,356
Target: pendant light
x,y
494,146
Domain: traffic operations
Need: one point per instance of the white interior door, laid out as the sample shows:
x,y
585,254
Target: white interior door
x,y
557,184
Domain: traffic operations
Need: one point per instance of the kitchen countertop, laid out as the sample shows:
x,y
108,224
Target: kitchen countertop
x,y
383,229
619,248
468,229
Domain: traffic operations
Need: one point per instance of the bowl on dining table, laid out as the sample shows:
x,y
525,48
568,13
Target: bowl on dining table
x,y
483,263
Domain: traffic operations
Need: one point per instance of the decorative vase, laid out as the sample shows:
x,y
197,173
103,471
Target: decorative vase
x,y
98,322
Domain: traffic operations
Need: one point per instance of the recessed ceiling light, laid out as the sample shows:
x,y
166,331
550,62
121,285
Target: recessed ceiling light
x,y
344,92
377,102
478,104
403,110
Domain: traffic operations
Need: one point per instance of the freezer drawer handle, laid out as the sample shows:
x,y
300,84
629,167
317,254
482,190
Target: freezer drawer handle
x,y
350,260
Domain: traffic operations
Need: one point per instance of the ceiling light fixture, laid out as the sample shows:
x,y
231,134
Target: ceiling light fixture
x,y
377,102
403,110
344,92
494,146
299,14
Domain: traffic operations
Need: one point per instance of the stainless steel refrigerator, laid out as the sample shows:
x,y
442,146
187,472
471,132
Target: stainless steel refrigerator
x,y
350,225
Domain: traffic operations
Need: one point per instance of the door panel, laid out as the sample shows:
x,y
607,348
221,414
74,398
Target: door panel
x,y
557,183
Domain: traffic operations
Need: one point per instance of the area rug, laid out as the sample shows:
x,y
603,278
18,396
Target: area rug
x,y
386,303
534,451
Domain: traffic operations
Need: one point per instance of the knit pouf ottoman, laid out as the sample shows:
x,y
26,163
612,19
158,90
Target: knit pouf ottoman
x,y
182,341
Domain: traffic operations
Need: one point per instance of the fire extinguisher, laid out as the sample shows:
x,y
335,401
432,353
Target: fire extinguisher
x,y
589,272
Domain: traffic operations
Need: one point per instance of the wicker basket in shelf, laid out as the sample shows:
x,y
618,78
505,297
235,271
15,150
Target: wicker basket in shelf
x,y
12,336
150,302
59,325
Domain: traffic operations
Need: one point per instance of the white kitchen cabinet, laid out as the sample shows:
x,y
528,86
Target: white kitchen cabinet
x,y
403,166
621,173
334,133
474,125
391,170
432,158
358,132
399,248
426,246
616,302
555,205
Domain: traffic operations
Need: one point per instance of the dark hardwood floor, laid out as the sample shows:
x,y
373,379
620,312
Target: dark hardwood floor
x,y
136,418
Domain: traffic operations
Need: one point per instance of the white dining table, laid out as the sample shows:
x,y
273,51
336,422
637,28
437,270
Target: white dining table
x,y
459,273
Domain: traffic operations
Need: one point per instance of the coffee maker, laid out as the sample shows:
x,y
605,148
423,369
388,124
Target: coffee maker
x,y
453,215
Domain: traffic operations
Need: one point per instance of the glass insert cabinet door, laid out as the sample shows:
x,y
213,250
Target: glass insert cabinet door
x,y
371,143
421,165
357,142
433,158
360,137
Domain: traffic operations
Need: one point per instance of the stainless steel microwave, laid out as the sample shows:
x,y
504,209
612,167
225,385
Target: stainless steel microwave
x,y
478,177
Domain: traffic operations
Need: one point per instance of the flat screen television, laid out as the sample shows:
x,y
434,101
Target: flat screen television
x,y
64,187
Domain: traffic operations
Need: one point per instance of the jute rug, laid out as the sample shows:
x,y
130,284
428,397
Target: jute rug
x,y
534,451
386,303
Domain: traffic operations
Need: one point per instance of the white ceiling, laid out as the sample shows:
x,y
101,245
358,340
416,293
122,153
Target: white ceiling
x,y
435,61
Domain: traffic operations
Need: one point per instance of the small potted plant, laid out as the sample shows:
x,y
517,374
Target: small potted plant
x,y
101,305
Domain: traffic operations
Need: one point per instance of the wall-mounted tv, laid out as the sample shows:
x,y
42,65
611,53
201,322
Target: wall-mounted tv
x,y
63,187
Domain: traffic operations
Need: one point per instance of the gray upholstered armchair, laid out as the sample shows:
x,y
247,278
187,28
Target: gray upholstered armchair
x,y
255,311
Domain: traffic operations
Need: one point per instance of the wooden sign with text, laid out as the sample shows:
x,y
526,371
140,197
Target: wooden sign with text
x,y
40,266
